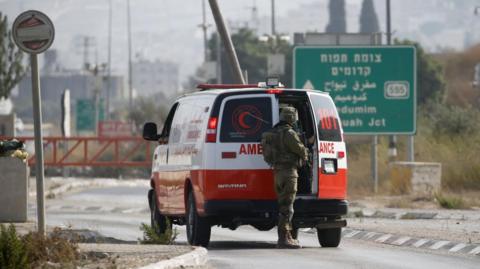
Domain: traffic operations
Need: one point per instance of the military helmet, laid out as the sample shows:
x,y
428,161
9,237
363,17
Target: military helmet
x,y
288,114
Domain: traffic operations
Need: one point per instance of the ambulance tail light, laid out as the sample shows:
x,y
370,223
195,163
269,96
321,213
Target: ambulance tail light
x,y
212,130
341,154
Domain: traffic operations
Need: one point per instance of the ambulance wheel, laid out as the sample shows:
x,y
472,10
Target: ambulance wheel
x,y
198,228
158,221
329,238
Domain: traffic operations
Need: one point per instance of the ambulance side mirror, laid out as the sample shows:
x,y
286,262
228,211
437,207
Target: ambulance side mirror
x,y
150,132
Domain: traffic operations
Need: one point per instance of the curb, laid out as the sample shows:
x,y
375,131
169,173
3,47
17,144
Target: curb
x,y
197,257
422,243
407,241
66,185
426,215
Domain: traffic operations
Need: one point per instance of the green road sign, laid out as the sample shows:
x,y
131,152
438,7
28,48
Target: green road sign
x,y
374,88
85,114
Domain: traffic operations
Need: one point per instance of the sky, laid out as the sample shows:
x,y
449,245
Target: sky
x,y
168,29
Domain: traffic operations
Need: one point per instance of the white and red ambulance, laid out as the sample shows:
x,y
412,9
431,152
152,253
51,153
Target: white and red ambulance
x,y
208,168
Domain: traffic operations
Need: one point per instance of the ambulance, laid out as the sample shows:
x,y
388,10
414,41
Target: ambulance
x,y
208,168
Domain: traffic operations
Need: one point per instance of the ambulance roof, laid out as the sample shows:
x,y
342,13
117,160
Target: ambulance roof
x,y
217,91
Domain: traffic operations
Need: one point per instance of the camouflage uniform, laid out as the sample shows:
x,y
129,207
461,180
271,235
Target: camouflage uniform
x,y
292,154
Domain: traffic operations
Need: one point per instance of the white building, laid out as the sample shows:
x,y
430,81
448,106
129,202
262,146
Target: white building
x,y
149,78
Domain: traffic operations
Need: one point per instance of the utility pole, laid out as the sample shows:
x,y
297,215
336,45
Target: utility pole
x,y
88,42
204,27
219,59
109,60
227,41
389,25
273,18
86,45
129,30
392,144
254,17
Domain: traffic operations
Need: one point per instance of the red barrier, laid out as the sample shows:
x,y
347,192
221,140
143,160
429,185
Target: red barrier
x,y
93,151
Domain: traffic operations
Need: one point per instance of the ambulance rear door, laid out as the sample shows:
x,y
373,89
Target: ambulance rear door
x,y
241,172
332,164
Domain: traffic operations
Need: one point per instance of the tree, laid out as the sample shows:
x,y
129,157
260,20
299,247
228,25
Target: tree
x,y
252,54
146,109
431,85
11,68
337,22
368,18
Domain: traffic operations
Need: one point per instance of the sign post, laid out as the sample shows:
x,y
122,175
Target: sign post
x,y
374,88
33,32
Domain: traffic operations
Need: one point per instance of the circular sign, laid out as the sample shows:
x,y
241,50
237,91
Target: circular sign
x,y
33,31
247,119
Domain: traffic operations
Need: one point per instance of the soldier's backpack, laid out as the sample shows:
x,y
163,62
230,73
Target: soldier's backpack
x,y
271,145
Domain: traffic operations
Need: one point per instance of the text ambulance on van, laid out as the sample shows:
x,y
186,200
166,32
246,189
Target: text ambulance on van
x,y
208,168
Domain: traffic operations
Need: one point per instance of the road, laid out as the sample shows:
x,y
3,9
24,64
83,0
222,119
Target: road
x,y
119,211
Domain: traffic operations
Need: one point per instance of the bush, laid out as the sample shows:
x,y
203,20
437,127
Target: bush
x,y
13,251
35,250
450,201
55,248
456,147
452,120
151,237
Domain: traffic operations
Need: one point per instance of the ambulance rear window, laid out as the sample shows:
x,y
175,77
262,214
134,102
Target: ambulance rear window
x,y
329,128
245,119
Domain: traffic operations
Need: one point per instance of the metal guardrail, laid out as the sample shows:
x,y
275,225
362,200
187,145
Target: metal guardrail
x,y
92,151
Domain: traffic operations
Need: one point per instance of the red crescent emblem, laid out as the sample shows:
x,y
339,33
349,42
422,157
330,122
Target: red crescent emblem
x,y
241,120
246,120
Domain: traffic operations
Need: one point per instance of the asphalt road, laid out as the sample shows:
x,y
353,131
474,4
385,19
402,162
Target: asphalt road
x,y
119,211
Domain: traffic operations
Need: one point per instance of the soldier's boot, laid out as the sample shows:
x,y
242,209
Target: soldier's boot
x,y
293,242
283,240
282,237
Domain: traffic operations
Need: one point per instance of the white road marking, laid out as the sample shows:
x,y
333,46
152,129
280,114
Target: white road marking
x,y
370,235
383,238
352,234
475,251
439,244
400,241
420,243
133,210
458,247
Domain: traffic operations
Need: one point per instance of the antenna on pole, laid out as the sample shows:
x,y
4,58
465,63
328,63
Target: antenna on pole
x,y
204,27
274,32
109,60
255,21
129,30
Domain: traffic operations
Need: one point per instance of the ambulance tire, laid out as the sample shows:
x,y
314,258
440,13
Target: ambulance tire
x,y
198,228
329,238
158,221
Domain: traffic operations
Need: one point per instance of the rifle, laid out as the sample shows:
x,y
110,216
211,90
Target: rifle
x,y
306,170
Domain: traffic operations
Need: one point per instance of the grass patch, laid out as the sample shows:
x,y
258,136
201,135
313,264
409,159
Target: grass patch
x,y
456,151
150,236
34,250
450,201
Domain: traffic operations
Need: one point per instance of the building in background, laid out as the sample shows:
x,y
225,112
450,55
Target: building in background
x,y
153,77
54,79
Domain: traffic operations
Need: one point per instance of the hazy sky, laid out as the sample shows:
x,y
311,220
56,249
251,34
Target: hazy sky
x,y
168,29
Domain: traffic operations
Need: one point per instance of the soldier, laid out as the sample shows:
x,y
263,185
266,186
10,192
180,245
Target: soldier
x,y
291,154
